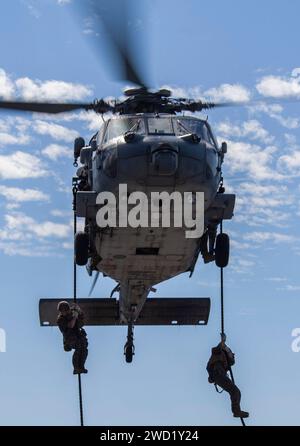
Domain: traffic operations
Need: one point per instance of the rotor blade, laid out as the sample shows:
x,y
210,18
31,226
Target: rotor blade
x,y
99,106
116,22
94,283
253,102
42,107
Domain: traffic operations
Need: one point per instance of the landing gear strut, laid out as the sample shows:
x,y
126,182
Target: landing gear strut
x,y
129,346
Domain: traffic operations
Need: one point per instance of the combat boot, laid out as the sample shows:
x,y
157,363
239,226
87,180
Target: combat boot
x,y
240,414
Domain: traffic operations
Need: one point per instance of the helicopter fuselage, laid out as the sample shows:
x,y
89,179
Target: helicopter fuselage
x,y
151,153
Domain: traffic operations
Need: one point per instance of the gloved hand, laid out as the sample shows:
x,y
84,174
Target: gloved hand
x,y
75,312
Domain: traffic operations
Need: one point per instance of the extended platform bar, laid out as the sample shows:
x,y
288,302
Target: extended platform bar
x,y
156,311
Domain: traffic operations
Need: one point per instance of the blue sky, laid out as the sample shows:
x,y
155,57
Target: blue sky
x,y
220,50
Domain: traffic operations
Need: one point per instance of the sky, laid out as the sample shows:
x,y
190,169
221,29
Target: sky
x,y
222,51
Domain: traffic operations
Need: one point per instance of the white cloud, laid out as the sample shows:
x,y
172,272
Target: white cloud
x,y
241,266
223,93
28,249
275,112
8,139
20,227
235,244
255,130
291,162
289,287
56,131
276,279
14,131
255,217
6,86
68,245
37,90
274,237
55,151
246,263
13,123
267,201
20,165
287,121
228,92
256,189
290,139
263,204
60,213
21,195
266,108
12,206
296,72
252,129
91,120
251,159
50,229
279,86
12,248
292,287
25,236
183,92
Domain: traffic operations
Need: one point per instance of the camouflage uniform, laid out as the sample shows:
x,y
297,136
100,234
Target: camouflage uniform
x,y
218,365
74,338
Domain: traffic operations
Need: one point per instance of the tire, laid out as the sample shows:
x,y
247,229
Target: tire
x,y
81,248
222,250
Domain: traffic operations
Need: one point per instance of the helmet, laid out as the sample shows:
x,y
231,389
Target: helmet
x,y
63,305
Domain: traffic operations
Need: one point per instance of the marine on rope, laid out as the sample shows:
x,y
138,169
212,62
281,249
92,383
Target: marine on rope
x,y
219,364
222,358
71,320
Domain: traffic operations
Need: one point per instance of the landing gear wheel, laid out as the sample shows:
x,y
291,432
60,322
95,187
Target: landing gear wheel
x,y
81,248
222,250
129,352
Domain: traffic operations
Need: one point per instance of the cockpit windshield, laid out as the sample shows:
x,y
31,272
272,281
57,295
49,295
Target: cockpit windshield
x,y
160,126
118,127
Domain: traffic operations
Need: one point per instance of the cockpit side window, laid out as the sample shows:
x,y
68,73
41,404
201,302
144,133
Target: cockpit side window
x,y
100,135
212,139
208,136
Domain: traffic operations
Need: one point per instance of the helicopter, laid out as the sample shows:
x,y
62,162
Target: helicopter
x,y
149,144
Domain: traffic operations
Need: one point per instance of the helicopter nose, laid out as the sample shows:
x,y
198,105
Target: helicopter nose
x,y
164,160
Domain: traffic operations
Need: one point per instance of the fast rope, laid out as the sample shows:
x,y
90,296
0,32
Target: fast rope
x,y
223,336
75,292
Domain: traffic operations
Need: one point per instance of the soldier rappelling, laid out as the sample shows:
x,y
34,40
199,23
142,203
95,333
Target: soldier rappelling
x,y
218,366
70,322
